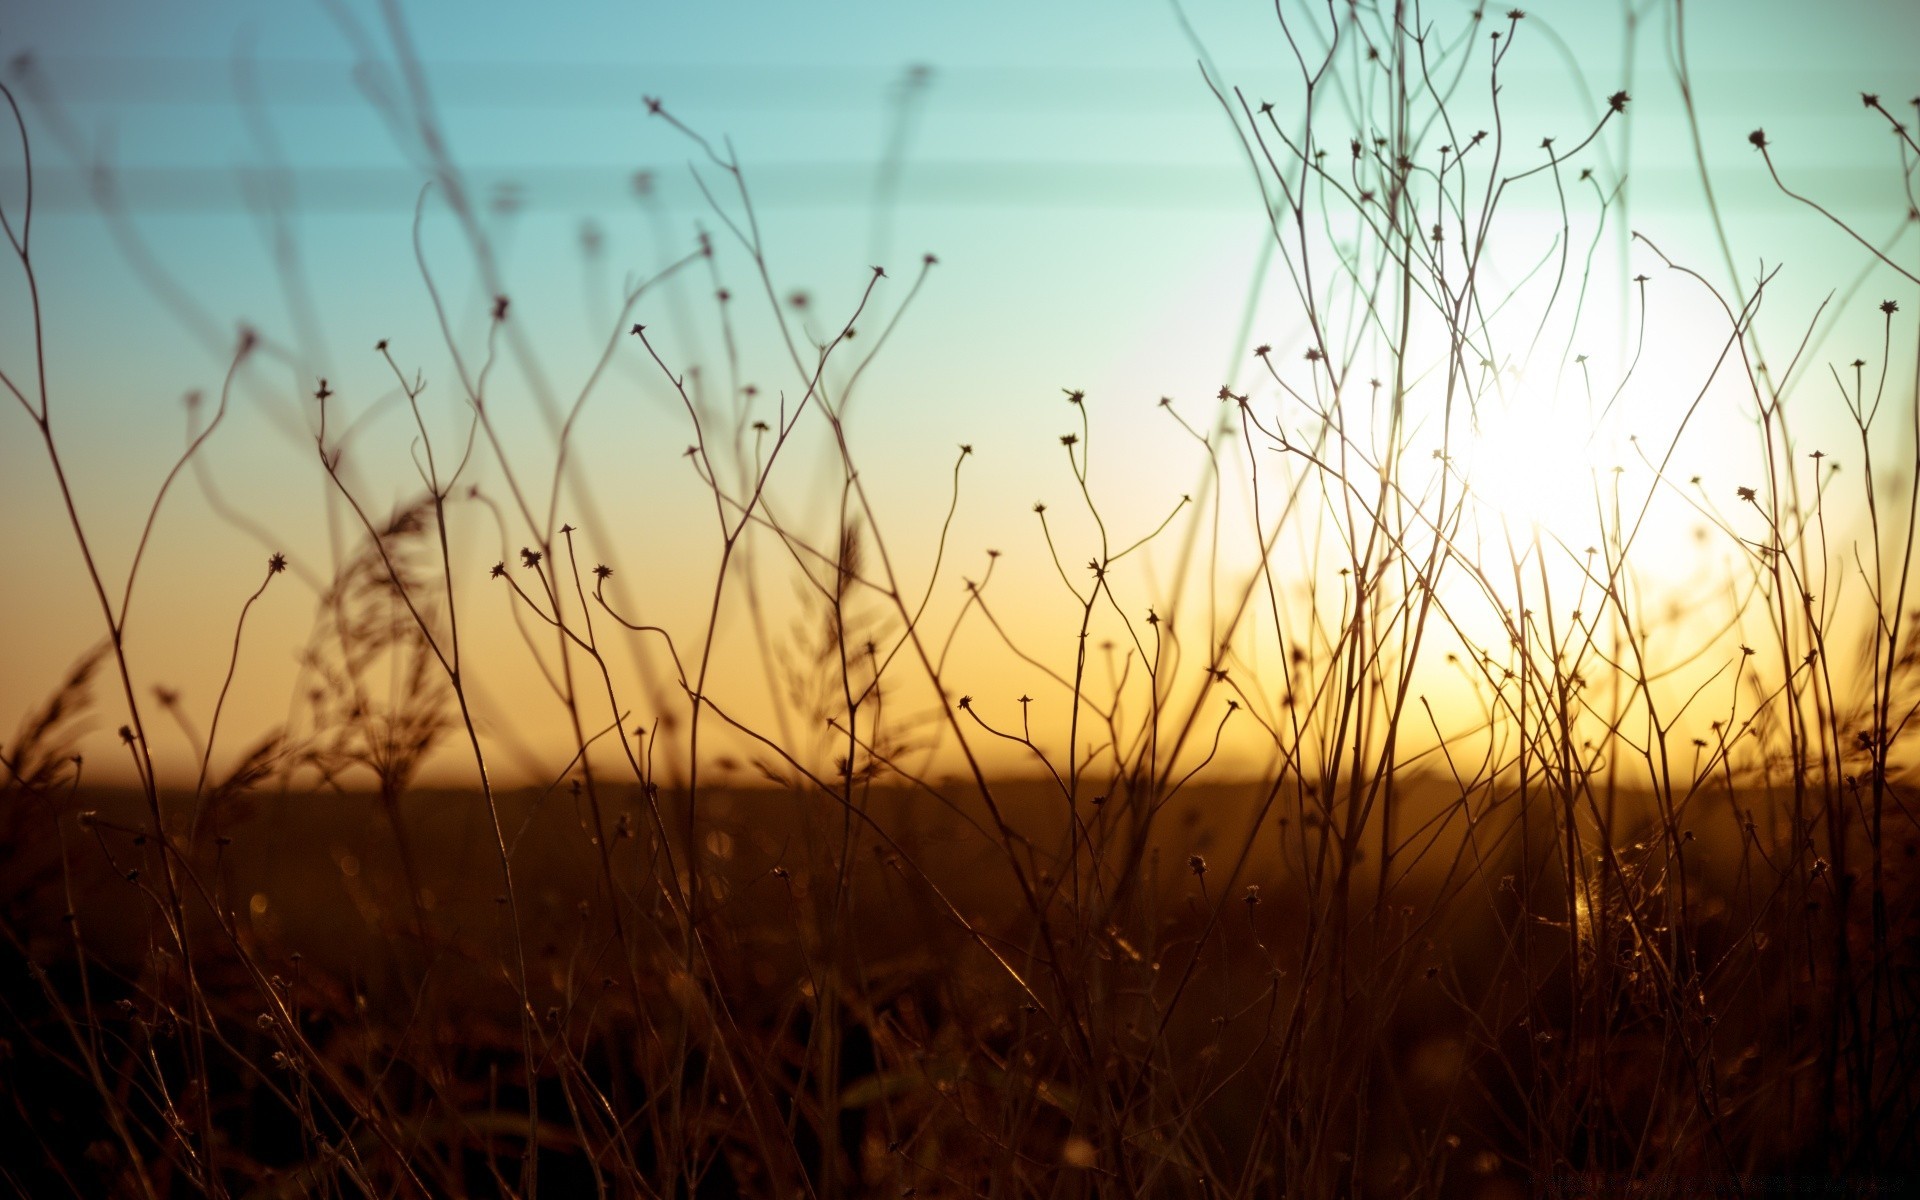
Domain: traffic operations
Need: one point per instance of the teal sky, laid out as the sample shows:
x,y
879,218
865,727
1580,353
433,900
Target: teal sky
x,y
1066,162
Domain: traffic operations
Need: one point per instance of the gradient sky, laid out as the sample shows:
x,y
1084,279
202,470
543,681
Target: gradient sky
x,y
1066,161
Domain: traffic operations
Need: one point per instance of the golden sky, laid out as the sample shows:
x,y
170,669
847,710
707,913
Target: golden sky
x,y
1098,228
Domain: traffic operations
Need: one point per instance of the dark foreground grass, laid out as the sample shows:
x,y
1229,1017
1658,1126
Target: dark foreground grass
x,y
368,1038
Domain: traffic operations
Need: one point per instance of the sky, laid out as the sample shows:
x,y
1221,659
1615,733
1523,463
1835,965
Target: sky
x,y
1088,202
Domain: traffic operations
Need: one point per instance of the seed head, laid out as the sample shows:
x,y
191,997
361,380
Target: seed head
x,y
529,557
1618,101
277,563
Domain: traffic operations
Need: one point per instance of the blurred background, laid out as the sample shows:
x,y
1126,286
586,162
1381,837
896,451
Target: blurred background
x,y
202,167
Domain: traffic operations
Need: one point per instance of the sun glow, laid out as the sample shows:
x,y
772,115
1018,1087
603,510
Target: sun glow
x,y
1534,461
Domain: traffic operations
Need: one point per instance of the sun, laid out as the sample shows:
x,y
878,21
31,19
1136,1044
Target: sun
x,y
1534,461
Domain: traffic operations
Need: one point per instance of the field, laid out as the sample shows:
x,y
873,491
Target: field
x,y
1461,1022
1467,753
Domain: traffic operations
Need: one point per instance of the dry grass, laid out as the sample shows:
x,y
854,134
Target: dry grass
x,y
1408,861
